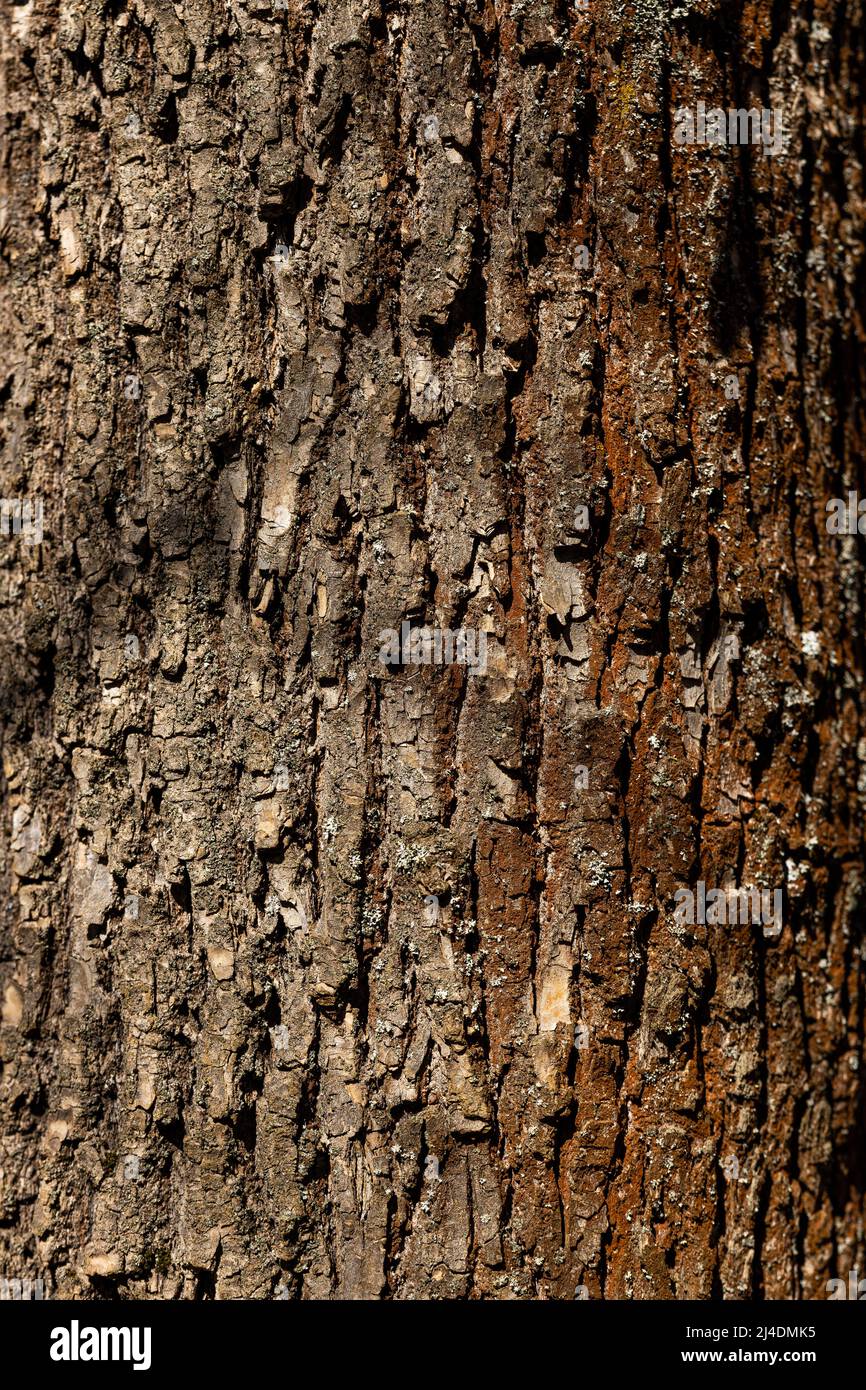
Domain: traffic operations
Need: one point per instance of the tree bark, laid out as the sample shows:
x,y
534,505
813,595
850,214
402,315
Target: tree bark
x,y
326,976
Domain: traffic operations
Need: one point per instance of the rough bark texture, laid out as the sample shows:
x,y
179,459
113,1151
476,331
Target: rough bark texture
x,y
302,345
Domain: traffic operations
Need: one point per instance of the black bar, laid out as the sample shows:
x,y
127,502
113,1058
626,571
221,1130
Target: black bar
x,y
283,1341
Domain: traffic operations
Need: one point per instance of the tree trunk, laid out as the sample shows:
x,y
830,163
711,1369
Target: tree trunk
x,y
327,973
